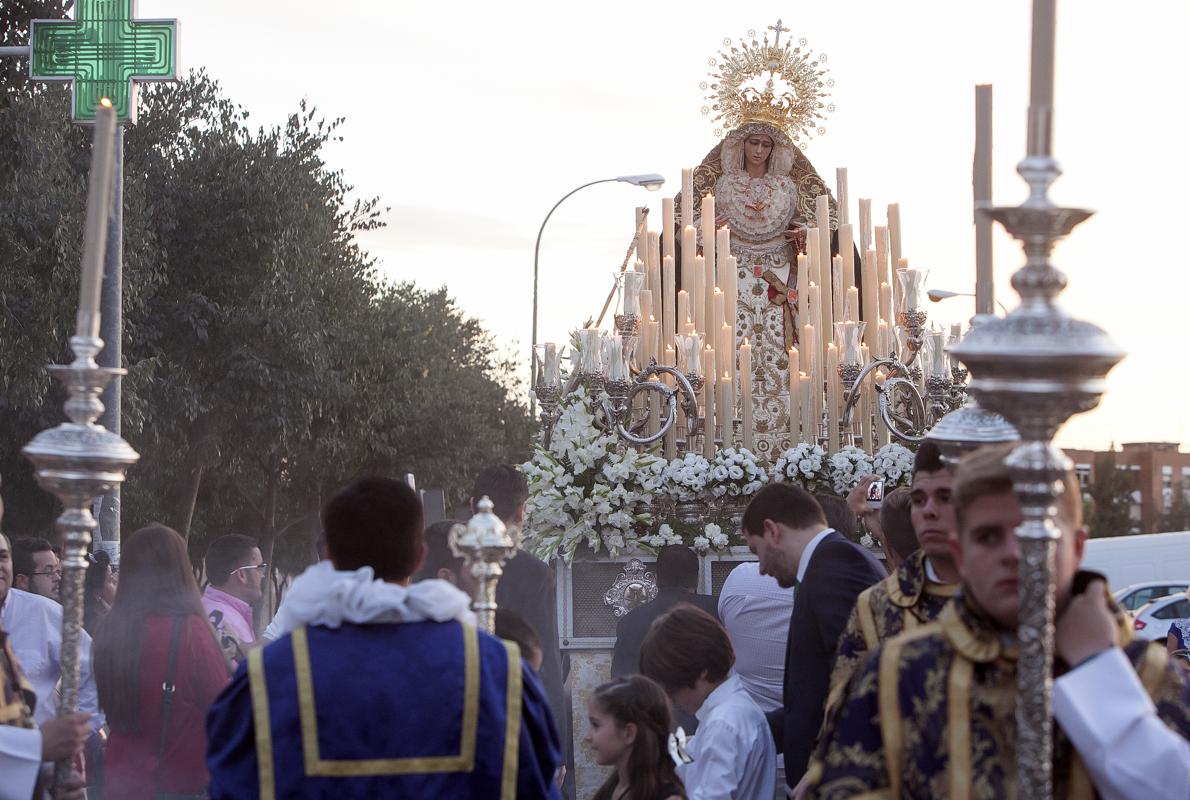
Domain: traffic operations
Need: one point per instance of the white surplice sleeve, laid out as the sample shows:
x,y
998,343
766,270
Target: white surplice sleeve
x,y
88,694
1128,750
20,761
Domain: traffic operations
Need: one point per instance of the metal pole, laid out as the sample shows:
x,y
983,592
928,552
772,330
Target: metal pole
x,y
21,51
536,254
112,333
985,290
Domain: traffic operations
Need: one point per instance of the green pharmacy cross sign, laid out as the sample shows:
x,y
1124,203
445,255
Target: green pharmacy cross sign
x,y
104,52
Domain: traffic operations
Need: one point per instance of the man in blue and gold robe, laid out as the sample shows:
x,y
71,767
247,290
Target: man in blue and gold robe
x,y
915,594
931,712
381,688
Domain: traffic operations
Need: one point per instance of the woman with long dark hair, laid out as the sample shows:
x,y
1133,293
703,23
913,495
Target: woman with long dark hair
x,y
629,721
158,667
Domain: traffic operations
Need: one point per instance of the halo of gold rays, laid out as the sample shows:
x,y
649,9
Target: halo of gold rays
x,y
793,91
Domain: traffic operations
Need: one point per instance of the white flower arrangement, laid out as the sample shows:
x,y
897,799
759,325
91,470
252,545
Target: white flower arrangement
x,y
686,477
736,473
806,465
848,467
893,463
585,489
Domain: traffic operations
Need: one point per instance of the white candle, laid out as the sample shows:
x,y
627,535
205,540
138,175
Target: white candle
x,y
795,391
708,402
746,393
882,342
683,310
671,436
669,320
823,217
724,410
894,232
669,242
832,398
851,306
841,197
1041,77
871,299
847,252
718,318
806,398
886,305
689,253
708,256
99,201
838,296
865,224
649,344
725,347
688,197
698,299
646,304
803,289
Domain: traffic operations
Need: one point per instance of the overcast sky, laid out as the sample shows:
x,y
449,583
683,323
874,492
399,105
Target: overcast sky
x,y
471,119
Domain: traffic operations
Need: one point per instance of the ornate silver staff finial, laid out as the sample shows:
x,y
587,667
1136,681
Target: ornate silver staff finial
x,y
77,462
1038,367
484,543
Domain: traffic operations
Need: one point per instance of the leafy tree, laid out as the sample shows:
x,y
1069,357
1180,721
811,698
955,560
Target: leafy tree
x,y
1111,498
268,362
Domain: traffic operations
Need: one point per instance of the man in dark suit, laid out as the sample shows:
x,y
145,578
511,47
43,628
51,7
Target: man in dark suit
x,y
786,528
677,580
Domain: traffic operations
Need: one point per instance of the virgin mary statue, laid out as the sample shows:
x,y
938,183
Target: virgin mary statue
x,y
770,95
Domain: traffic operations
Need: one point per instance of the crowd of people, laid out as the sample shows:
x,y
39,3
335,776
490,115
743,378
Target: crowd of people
x,y
819,670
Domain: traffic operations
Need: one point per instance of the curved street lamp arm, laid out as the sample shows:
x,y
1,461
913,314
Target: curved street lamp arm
x,y
536,253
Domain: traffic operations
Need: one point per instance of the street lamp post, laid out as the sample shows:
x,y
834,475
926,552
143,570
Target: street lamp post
x,y
651,181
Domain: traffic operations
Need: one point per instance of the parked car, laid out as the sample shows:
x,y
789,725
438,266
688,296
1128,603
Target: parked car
x,y
1153,621
1130,598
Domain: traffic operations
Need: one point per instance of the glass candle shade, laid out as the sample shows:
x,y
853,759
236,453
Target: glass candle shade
x,y
689,353
849,342
630,285
590,351
913,281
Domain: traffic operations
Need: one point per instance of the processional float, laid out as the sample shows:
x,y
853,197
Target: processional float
x,y
882,375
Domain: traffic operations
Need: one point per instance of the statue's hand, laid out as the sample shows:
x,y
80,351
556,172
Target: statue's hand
x,y
797,237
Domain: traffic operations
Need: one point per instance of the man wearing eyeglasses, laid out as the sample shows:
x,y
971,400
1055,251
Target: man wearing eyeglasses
x,y
35,567
236,573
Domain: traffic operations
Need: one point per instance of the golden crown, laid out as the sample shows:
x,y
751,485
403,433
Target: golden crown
x,y
775,84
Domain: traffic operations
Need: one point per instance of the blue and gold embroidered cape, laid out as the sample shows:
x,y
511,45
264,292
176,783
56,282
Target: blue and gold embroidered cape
x,y
903,601
392,710
930,714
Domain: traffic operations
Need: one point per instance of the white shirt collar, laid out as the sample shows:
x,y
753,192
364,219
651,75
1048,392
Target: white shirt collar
x,y
719,696
323,595
931,575
804,563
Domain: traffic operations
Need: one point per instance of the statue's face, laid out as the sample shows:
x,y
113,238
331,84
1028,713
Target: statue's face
x,y
757,149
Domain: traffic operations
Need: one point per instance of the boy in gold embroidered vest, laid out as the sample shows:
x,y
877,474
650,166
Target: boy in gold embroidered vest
x,y
919,589
931,712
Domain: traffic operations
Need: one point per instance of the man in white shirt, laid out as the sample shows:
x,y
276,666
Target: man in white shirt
x,y
23,746
732,755
755,610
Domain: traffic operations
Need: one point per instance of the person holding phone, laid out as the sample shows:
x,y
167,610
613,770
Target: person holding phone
x,y
919,589
931,713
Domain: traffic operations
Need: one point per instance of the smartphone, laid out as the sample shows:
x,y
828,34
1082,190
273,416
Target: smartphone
x,y
876,494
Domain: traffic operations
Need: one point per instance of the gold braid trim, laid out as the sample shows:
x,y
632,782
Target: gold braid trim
x,y
958,728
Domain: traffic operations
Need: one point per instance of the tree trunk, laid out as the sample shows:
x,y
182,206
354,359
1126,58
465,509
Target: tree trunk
x,y
188,500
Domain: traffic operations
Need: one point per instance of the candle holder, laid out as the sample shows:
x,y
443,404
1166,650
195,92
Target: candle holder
x,y
77,462
549,397
484,544
622,393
